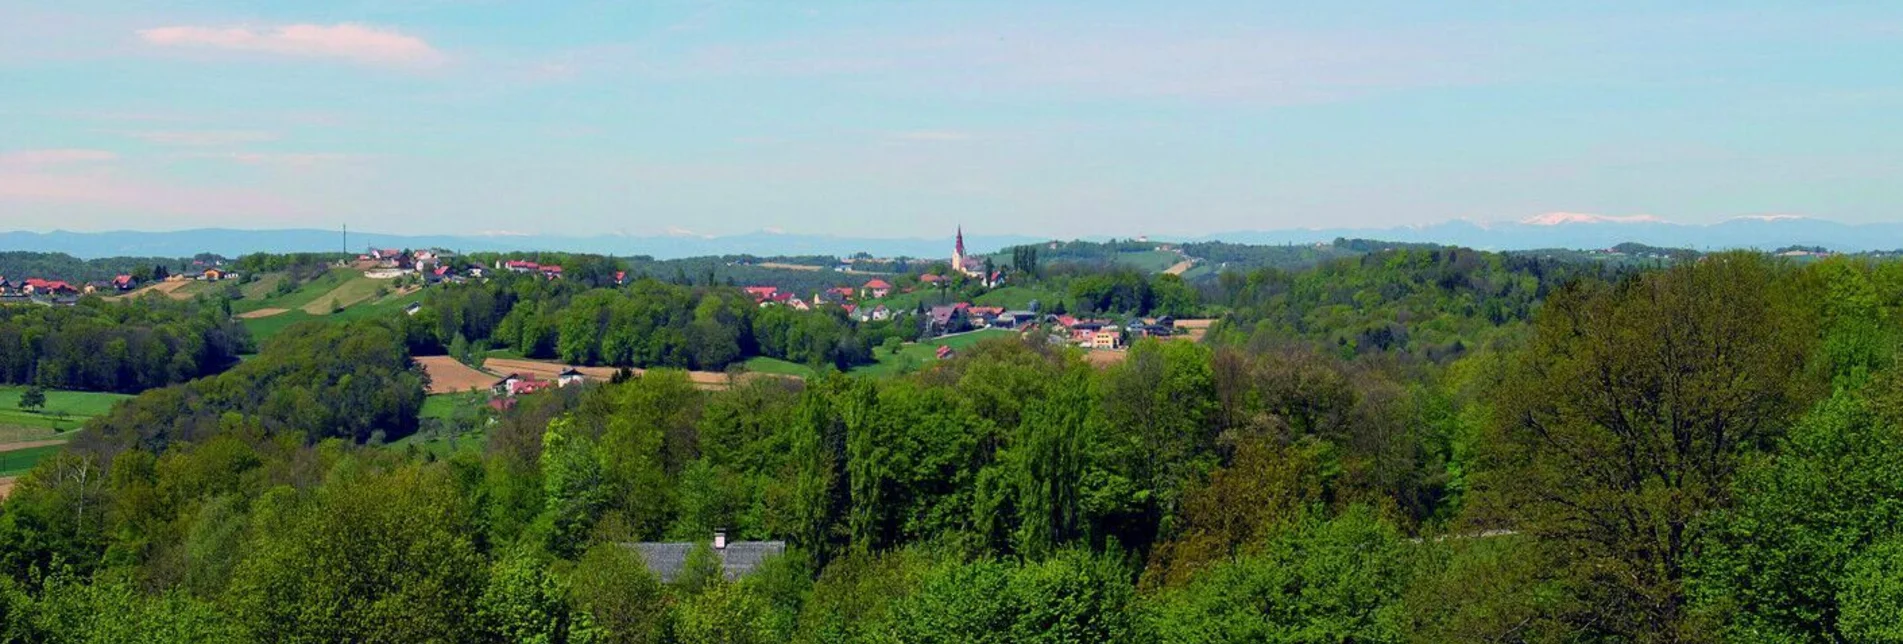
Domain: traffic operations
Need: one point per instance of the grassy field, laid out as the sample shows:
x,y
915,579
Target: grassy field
x,y
302,295
913,356
351,292
265,327
910,301
263,287
763,364
1149,261
18,461
1018,297
17,425
444,407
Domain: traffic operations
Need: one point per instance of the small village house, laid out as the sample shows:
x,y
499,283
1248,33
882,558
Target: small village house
x,y
876,289
736,558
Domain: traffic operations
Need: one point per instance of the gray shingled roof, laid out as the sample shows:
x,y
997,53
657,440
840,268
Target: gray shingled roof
x,y
736,560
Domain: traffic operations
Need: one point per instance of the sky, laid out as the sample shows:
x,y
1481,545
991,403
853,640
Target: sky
x,y
903,118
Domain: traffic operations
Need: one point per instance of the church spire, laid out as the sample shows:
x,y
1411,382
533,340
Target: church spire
x,y
958,250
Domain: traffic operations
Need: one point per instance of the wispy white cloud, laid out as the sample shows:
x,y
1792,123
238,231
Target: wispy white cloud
x,y
356,43
112,191
204,138
291,159
42,158
932,135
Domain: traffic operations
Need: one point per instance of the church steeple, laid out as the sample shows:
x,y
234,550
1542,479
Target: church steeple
x,y
958,250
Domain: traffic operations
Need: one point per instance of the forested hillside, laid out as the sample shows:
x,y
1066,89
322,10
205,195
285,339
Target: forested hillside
x,y
129,348
19,265
646,324
1418,445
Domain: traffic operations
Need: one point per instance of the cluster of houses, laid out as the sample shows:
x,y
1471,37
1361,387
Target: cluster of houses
x,y
504,391
38,290
59,291
964,316
433,265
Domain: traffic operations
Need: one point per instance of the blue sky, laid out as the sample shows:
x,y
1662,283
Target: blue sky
x,y
902,118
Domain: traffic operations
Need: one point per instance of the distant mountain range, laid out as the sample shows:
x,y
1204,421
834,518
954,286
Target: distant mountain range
x,y
1583,231
1555,230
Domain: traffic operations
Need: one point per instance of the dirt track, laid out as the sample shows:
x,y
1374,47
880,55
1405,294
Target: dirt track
x,y
8,447
1180,267
548,370
447,376
261,313
162,287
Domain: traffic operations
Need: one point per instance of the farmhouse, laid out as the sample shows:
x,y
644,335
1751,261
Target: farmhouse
x,y
37,286
518,384
875,289
569,376
124,282
762,293
736,558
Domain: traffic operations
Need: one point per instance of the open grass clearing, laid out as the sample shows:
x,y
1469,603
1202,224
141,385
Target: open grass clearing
x,y
265,327
304,294
778,367
913,356
1018,297
349,293
261,313
64,411
17,462
263,286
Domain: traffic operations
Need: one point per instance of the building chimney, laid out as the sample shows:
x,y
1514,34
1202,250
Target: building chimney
x,y
720,539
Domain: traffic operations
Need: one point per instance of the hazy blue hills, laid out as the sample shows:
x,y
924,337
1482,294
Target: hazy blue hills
x,y
1588,232
231,243
1558,230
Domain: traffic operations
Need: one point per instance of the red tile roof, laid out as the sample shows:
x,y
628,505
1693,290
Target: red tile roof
x,y
877,283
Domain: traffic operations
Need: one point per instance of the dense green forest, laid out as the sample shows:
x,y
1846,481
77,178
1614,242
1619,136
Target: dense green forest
x,y
104,346
1422,444
19,265
646,324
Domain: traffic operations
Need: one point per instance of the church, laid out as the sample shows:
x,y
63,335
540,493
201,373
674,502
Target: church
x,y
973,267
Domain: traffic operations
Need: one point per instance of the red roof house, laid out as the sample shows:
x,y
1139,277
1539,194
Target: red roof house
x,y
877,288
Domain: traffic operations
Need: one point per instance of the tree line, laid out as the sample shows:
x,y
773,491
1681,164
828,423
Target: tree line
x,y
121,347
648,323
